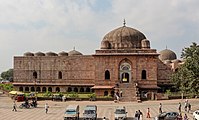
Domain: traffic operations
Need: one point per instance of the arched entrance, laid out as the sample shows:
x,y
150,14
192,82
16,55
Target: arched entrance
x,y
125,72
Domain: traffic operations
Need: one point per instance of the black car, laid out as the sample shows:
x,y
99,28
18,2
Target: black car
x,y
167,116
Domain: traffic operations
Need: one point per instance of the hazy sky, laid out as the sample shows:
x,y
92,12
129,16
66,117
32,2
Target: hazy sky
x,y
59,25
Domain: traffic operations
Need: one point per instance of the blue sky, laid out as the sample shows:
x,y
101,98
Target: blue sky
x,y
59,25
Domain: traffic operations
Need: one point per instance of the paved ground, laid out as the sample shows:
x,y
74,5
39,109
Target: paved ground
x,y
105,109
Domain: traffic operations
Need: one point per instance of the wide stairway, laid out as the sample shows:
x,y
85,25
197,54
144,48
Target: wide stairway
x,y
128,92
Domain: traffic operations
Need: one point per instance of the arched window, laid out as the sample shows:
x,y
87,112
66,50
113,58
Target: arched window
x,y
38,89
88,89
26,89
35,75
60,75
105,93
75,89
20,88
32,89
107,75
44,89
144,74
81,90
125,72
50,89
69,89
57,89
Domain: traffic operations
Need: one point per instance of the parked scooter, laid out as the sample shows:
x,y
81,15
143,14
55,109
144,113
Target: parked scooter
x,y
24,105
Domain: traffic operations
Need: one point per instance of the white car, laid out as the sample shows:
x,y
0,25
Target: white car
x,y
196,115
120,113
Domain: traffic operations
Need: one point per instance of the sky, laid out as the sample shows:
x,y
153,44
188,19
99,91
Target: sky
x,y
61,25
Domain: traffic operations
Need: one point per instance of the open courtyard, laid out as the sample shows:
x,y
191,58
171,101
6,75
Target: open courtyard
x,y
105,109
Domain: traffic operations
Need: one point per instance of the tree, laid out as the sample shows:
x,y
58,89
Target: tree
x,y
186,79
7,75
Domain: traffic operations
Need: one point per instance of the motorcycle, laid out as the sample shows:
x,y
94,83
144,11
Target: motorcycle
x,y
24,105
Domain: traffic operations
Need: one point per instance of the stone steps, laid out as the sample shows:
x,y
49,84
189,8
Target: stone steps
x,y
128,92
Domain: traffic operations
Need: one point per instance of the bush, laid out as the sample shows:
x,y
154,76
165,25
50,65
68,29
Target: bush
x,y
168,92
47,94
7,87
73,95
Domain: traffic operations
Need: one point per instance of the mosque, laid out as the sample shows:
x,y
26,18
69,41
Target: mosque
x,y
125,62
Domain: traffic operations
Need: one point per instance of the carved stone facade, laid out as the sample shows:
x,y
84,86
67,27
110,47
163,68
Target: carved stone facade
x,y
124,63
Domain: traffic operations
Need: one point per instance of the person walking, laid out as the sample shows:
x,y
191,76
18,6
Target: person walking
x,y
46,107
189,107
160,108
140,115
14,106
104,118
179,107
186,105
185,117
148,113
136,115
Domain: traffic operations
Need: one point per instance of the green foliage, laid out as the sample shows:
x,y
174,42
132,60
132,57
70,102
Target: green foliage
x,y
92,95
47,94
186,79
168,92
73,95
7,75
60,94
7,87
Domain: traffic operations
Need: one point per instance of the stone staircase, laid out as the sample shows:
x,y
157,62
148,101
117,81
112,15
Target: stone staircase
x,y
128,92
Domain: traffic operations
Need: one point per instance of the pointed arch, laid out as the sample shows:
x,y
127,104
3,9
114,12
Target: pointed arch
x,y
107,75
125,71
57,89
44,89
35,75
143,74
59,75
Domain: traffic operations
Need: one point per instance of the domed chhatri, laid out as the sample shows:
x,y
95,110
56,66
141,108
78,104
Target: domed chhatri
x,y
51,54
39,54
74,53
28,54
124,38
167,55
63,53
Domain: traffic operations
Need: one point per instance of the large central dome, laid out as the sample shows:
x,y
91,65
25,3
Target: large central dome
x,y
124,38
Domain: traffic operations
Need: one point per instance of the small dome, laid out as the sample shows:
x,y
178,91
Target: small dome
x,y
63,53
28,54
123,38
167,55
74,53
39,54
51,54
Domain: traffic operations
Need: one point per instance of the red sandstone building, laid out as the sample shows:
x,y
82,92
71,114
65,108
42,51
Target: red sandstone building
x,y
125,62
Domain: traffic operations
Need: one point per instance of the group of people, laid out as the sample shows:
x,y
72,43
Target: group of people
x,y
138,115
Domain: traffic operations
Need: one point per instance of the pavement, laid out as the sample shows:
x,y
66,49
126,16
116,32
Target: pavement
x,y
105,109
